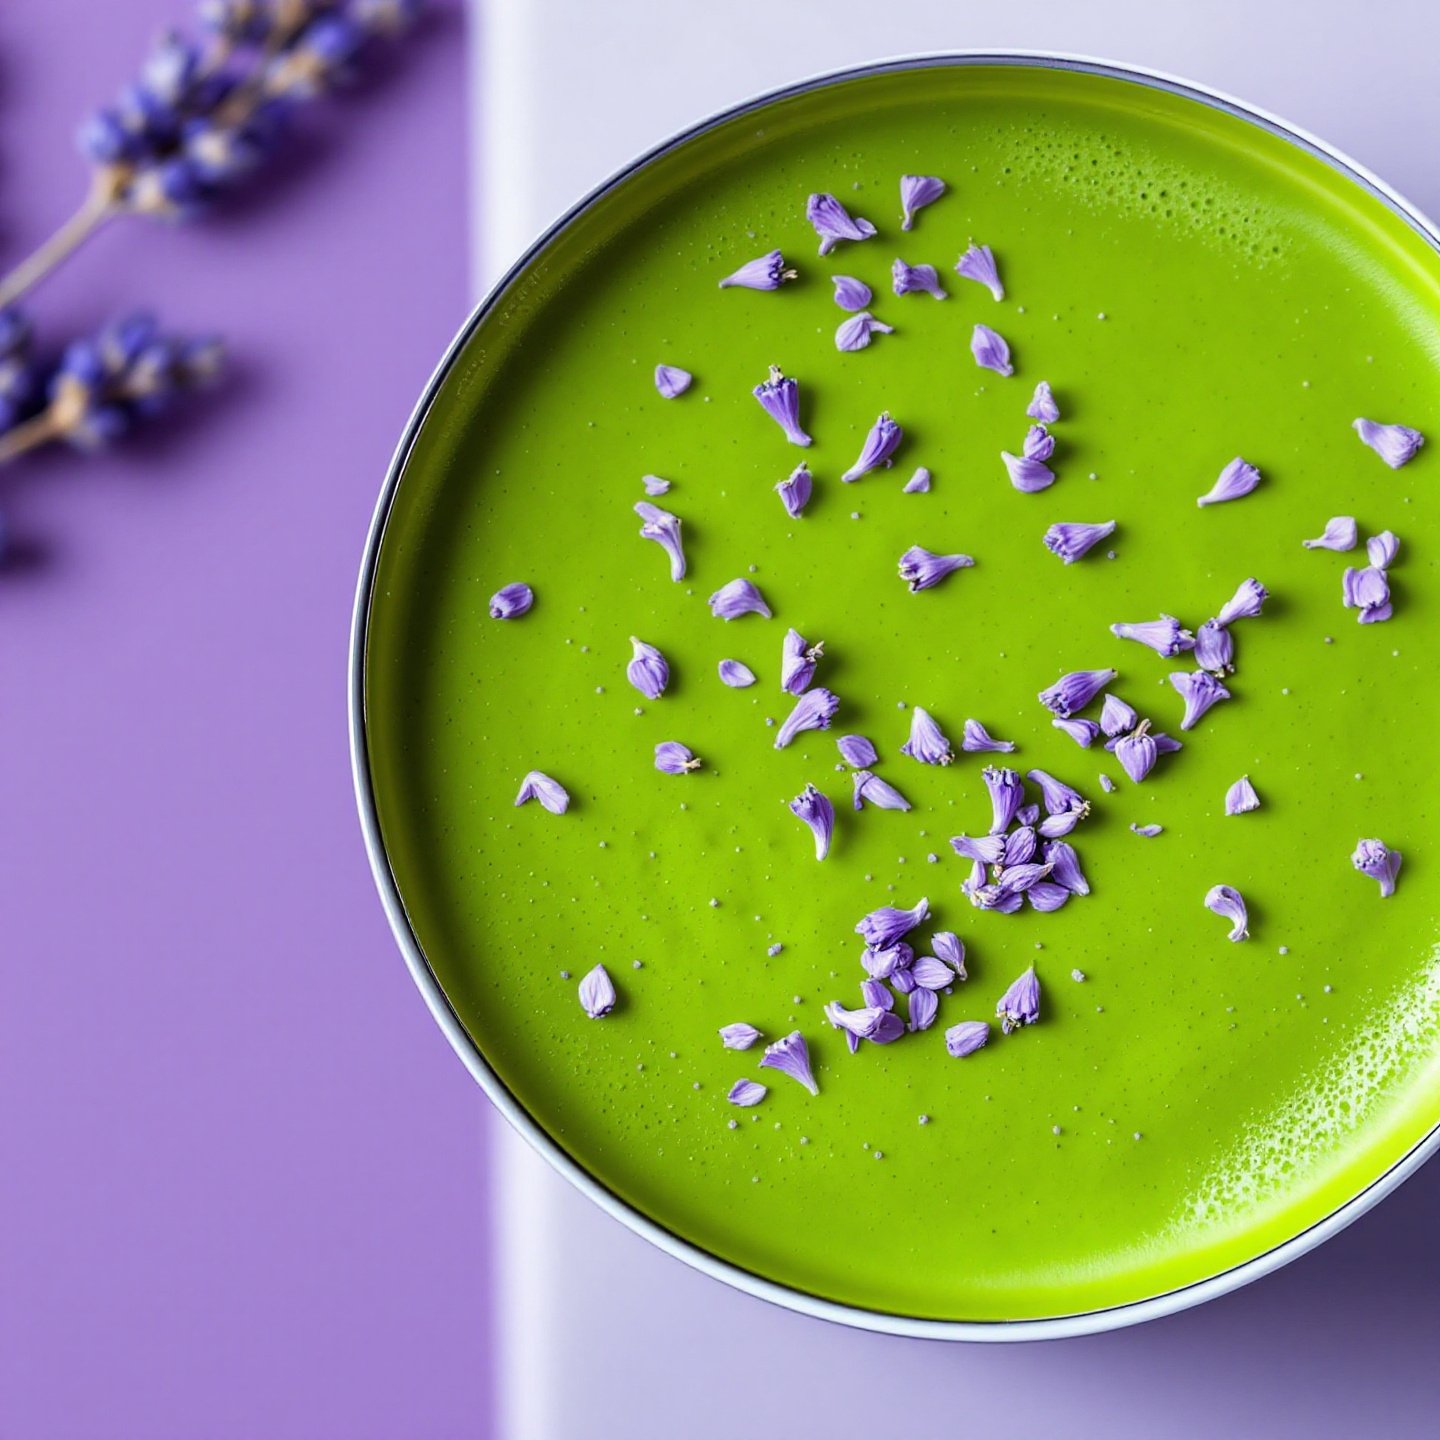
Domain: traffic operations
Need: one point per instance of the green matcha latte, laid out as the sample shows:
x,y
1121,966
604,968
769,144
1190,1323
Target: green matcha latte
x,y
1194,289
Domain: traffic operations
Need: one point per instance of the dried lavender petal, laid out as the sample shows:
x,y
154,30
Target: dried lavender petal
x,y
1241,797
1340,533
1055,795
834,223
990,351
795,490
798,658
887,961
857,751
779,398
1020,1004
951,949
918,483
966,1038
791,1056
648,670
1007,794
923,1007
854,333
1027,475
1039,443
1245,604
1382,549
870,789
746,1093
1075,691
739,597
906,279
738,1036
850,293
736,674
654,485
1116,717
766,272
927,743
1082,732
978,264
984,850
1042,406
1047,896
511,601
664,528
1238,478
1071,540
1165,636
597,993
977,740
883,927
1226,901
814,710
1064,866
1394,444
1214,648
818,813
1200,690
1020,846
921,568
1136,753
1375,859
675,759
550,793
875,995
917,191
1147,832
671,380
880,444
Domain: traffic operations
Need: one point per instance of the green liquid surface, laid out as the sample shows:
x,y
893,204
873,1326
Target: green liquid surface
x,y
1194,289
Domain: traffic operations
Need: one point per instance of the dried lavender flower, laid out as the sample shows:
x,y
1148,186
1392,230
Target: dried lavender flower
x,y
1027,475
873,1022
1226,901
816,811
597,993
917,191
1200,690
1136,753
1020,845
854,333
906,279
1083,732
1047,896
851,294
1340,533
978,264
881,928
880,444
1245,604
675,759
1164,636
1375,859
737,598
1238,478
870,789
794,491
948,947
921,568
966,1038
1394,444
888,961
1367,590
671,381
1039,443
550,793
1062,822
814,710
1042,406
654,485
1382,549
834,223
927,743
664,528
1064,866
738,1036
1214,648
874,993
791,1056
510,601
918,483
986,849
779,398
765,272
1020,1004
1075,691
856,751
1117,717
1007,793
648,670
746,1093
1017,879
1241,797
1057,797
990,351
1071,541
736,674
922,1007
798,658
977,740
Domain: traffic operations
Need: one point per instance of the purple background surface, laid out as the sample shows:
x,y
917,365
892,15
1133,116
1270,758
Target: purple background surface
x,y
240,1173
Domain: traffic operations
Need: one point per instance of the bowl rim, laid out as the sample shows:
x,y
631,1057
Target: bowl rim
x,y
1042,1328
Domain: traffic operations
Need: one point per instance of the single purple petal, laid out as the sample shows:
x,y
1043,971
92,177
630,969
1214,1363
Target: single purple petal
x,y
1373,614
1245,604
814,710
779,398
1026,475
766,272
797,662
984,850
654,485
1241,797
675,759
875,995
1200,691
1340,534
1375,859
856,751
834,223
1072,540
1116,717
1107,784
1164,636
1082,732
922,1006
990,350
918,483
736,674
1136,753
1147,832
746,1093
1056,795
738,1036
851,294
921,568
951,949
1064,866
671,380
1039,443
927,743
880,444
887,961
511,601
597,993
648,670
1019,847
977,740
906,279
739,597
870,789
1075,691
664,528
883,927
1042,406
1062,822
854,333
932,973
1164,744
1382,549
1394,444
978,264
791,1056
903,981
1020,1004
1227,901
550,793
1215,648
1047,896
917,191
1007,794
1236,479
818,813
966,1038
795,490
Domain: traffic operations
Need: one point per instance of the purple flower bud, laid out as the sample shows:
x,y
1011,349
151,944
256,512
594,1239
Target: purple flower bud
x,y
797,662
739,597
1075,691
736,674
1082,732
923,1007
854,334
1164,744
987,849
883,927
977,740
1375,859
511,600
791,1056
1241,797
1017,879
738,1036
990,351
1164,636
818,813
1244,604
1047,896
850,293
1064,866
966,1038
1057,796
1026,475
671,380
857,751
927,743
978,264
871,1023
874,993
906,279
1200,691
1027,814
597,993
746,1093
814,710
648,670
920,568
1039,443
1020,1004
834,223
880,444
996,897
951,949
1394,444
1364,586
1236,479
870,789
1136,753
1071,541
104,139
1062,822
664,528
1340,534
1107,784
903,981
917,191
1382,549
888,961
918,483
675,759
1226,901
1214,648
767,272
1042,406
1116,717
931,973
1007,793
795,491
780,399
550,793
1019,847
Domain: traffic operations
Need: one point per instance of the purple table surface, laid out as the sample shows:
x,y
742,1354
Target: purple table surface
x,y
241,1189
